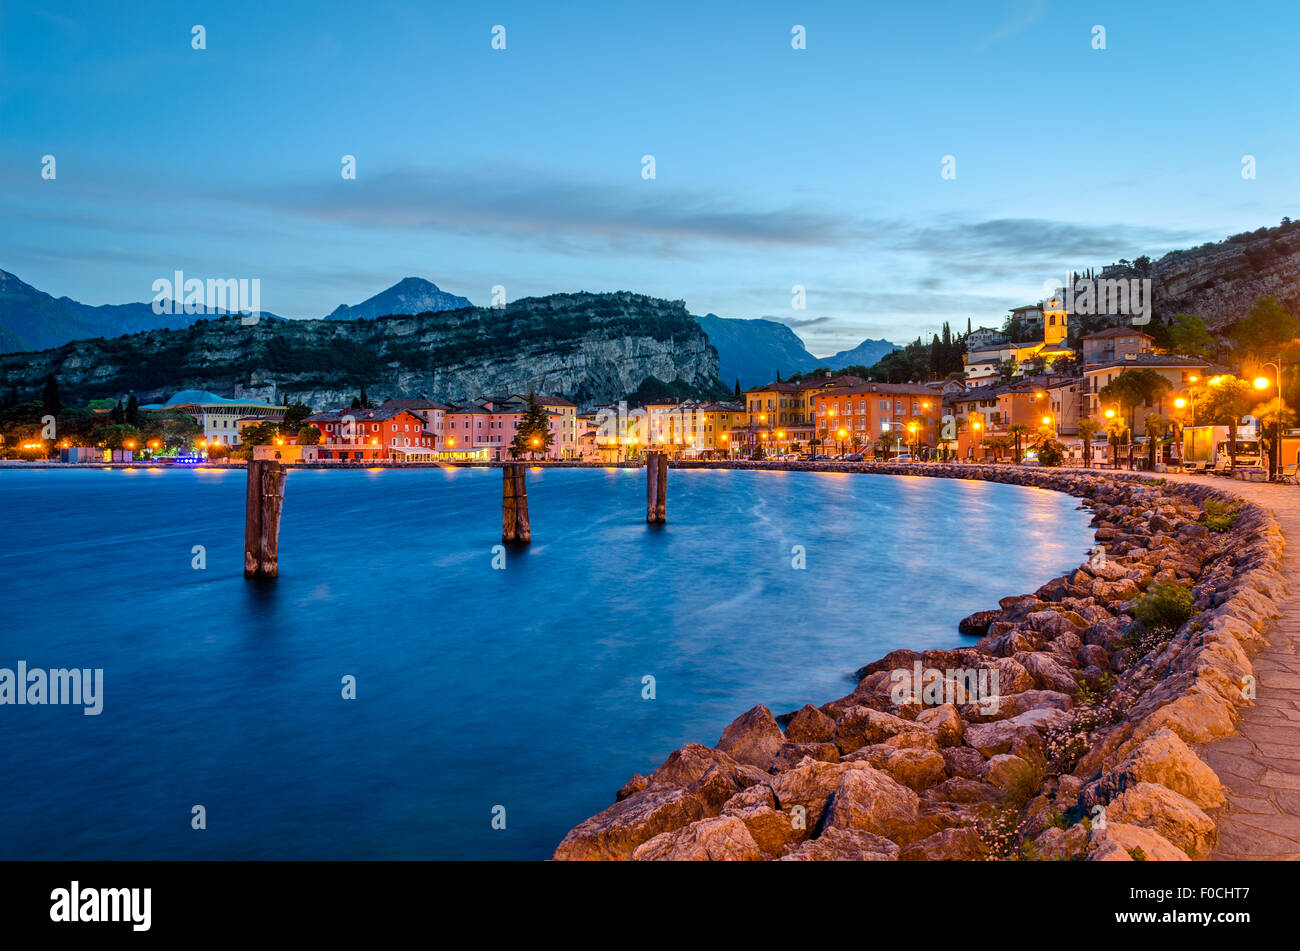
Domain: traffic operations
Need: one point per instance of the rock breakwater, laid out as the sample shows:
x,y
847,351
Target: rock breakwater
x,y
1067,730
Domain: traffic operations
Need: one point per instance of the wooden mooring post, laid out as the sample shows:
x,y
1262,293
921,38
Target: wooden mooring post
x,y
514,503
263,502
656,487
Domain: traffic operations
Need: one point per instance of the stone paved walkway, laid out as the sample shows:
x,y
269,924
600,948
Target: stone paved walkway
x,y
1260,764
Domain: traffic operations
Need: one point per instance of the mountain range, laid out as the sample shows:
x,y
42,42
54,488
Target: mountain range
x,y
592,348
757,350
753,351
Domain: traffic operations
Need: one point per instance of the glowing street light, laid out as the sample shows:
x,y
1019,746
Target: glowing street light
x,y
1261,383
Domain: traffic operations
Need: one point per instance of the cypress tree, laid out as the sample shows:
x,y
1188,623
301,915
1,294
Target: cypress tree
x,y
50,402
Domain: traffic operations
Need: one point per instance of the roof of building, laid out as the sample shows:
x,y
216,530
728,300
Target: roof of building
x,y
418,403
1116,332
914,389
808,383
204,398
1149,360
545,400
358,415
974,393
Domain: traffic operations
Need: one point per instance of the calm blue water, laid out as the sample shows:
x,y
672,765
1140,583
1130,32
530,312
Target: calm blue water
x,y
476,687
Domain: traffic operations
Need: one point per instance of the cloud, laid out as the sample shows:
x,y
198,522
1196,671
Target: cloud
x,y
1030,13
796,322
536,204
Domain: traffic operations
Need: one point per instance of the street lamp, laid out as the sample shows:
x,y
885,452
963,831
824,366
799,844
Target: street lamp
x,y
1262,383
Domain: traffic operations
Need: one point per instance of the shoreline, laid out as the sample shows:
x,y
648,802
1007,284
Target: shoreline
x,y
1091,756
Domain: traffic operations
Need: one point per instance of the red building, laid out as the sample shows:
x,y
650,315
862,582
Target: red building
x,y
358,435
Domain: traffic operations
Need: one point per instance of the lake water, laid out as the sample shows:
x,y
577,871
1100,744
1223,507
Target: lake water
x,y
476,687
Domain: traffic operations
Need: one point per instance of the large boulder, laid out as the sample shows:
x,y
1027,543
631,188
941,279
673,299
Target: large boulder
x,y
872,801
616,832
1010,773
810,725
1165,759
752,738
947,845
771,829
844,845
944,722
861,726
1018,734
915,767
1048,672
792,754
724,839
1171,814
1120,842
684,766
809,785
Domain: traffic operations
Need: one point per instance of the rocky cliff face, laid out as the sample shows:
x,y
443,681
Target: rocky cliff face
x,y
1220,281
588,347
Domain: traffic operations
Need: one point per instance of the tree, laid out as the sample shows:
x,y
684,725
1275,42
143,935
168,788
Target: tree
x,y
309,436
737,394
1273,416
356,402
118,415
1268,326
294,414
1034,366
1008,370
116,436
534,434
1115,430
1133,389
1088,427
1189,337
261,434
1017,434
132,415
365,400
1227,399
1157,428
1066,366
50,403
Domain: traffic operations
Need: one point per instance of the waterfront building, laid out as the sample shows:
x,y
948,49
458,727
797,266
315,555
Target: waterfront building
x,y
779,416
564,426
219,417
362,435
1181,372
431,411
485,428
856,418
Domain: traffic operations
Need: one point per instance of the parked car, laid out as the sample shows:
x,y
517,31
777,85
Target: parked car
x,y
904,457
853,457
805,457
821,458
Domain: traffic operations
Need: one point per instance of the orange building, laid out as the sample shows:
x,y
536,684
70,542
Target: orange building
x,y
856,418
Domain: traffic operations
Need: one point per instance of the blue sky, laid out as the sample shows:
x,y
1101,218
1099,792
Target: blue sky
x,y
522,167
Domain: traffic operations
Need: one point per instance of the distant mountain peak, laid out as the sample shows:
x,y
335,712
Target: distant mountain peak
x,y
410,295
